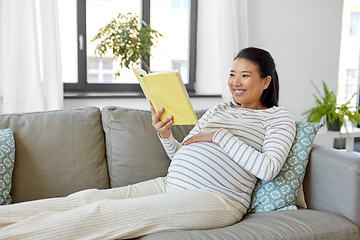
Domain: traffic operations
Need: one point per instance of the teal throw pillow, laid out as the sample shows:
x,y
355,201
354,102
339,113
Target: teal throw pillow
x,y
7,157
281,192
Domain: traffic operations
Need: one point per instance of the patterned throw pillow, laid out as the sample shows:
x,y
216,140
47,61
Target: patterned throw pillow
x,y
7,157
281,192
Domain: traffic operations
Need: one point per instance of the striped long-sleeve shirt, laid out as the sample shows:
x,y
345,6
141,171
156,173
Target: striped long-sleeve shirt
x,y
248,144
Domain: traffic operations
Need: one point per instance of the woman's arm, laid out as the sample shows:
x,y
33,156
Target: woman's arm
x,y
280,134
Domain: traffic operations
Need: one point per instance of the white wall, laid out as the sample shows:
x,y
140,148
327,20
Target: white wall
x,y
304,39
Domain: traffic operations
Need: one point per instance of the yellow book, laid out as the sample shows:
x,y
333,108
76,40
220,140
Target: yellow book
x,y
166,90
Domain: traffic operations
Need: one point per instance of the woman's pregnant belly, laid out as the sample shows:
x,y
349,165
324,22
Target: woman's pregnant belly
x,y
206,165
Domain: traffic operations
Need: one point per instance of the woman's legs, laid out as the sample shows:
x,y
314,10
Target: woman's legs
x,y
13,213
129,218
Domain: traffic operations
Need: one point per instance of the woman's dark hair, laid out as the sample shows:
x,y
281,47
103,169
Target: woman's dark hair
x,y
266,67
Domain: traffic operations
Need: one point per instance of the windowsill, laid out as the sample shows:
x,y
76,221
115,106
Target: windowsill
x,y
74,95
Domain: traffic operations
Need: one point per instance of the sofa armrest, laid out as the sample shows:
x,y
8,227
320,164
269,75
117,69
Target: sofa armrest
x,y
332,182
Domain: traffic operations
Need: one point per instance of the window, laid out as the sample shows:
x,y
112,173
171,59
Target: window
x,y
100,70
349,53
351,83
355,25
180,4
85,72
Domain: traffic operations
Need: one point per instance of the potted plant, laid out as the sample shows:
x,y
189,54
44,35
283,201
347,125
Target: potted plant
x,y
127,39
326,106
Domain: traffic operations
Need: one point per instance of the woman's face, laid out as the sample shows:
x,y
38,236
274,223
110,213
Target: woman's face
x,y
246,85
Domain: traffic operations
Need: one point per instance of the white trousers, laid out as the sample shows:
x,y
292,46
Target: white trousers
x,y
118,213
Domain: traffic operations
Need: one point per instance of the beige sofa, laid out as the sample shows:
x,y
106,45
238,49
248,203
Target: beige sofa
x,y
61,152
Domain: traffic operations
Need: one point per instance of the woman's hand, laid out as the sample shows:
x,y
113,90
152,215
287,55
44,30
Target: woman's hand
x,y
163,127
203,136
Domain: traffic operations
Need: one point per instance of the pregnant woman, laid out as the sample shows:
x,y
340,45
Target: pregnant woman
x,y
210,179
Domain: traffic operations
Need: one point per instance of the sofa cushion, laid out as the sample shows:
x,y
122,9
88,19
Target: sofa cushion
x,y
7,157
57,152
282,191
134,152
279,225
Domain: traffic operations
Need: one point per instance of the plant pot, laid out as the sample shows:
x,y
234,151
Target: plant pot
x,y
334,126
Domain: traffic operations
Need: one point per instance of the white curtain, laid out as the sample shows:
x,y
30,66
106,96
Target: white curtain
x,y
233,35
221,32
30,68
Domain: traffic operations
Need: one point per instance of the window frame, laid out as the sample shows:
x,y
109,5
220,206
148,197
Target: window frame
x,y
83,86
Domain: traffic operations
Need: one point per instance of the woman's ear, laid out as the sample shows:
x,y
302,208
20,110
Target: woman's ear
x,y
266,82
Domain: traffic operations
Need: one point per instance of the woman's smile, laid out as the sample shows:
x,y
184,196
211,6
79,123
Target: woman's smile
x,y
239,92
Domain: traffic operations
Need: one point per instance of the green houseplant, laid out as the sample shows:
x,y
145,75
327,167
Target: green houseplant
x,y
326,106
127,39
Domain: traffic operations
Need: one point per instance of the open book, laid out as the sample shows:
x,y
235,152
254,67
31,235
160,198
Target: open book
x,y
166,90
